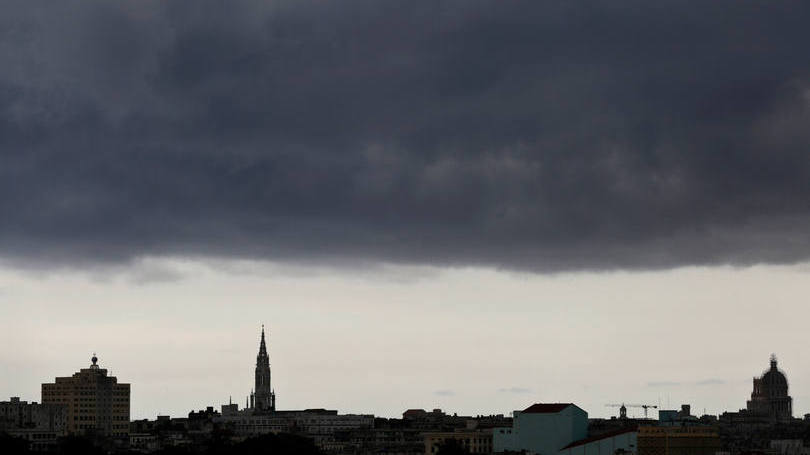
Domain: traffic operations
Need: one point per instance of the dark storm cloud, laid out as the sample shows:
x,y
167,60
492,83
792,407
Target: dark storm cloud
x,y
540,135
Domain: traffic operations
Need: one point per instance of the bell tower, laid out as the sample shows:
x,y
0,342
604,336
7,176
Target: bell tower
x,y
263,399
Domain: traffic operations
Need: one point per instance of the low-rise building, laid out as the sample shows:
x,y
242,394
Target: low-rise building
x,y
143,442
684,440
38,423
321,425
388,437
543,429
789,447
623,441
474,441
435,420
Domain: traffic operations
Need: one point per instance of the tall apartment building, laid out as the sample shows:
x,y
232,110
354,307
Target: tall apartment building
x,y
95,403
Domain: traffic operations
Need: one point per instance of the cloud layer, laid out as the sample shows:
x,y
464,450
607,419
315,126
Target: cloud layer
x,y
534,135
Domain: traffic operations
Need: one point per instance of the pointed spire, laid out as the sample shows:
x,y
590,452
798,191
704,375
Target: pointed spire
x,y
773,361
262,345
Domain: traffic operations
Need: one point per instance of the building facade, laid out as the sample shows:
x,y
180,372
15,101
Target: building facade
x,y
684,440
320,425
543,429
473,441
95,403
770,395
39,424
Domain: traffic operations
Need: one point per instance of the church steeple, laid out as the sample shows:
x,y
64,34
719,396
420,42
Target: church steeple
x,y
263,399
262,345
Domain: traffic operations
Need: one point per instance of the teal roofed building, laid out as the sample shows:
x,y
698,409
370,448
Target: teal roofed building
x,y
542,429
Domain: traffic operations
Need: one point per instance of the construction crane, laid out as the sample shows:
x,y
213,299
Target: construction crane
x,y
623,408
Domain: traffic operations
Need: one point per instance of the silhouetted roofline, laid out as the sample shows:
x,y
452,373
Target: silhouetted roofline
x,y
607,435
546,408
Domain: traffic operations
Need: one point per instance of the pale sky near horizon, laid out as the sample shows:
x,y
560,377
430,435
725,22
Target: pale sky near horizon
x,y
184,333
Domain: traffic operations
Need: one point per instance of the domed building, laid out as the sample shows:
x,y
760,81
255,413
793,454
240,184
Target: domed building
x,y
770,395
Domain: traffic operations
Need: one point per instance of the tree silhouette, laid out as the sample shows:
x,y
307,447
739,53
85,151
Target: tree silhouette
x,y
77,445
10,445
452,447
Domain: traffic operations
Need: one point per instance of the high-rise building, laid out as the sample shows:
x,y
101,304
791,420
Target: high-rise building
x,y
95,403
770,395
263,399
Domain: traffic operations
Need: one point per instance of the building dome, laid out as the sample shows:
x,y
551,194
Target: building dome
x,y
774,382
774,378
770,395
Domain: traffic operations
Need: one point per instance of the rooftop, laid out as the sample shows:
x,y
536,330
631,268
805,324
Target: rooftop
x,y
546,408
599,437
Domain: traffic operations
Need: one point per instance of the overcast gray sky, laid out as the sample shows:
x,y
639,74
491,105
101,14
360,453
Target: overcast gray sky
x,y
387,339
554,193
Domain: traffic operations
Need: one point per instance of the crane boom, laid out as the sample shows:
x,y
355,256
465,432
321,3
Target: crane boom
x,y
623,408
